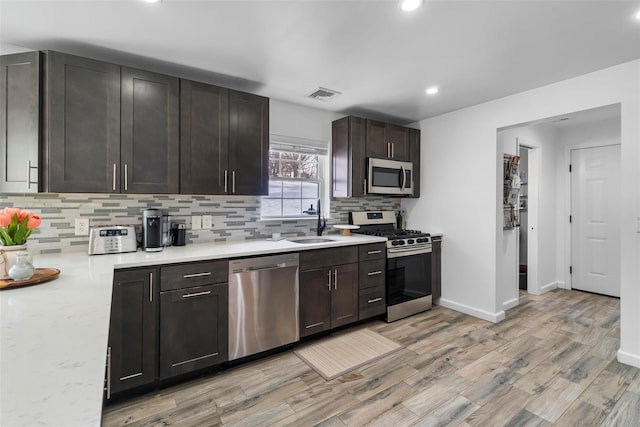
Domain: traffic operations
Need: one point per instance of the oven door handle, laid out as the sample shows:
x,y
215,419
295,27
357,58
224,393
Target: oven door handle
x,y
397,253
404,177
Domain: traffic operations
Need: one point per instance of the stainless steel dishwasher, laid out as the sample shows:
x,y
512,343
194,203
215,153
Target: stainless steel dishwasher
x,y
263,304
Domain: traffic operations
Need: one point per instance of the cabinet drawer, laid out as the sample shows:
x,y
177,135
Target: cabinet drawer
x,y
372,302
193,274
319,258
372,251
372,273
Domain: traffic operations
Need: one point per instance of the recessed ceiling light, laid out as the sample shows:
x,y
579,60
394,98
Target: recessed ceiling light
x,y
433,90
637,15
152,1
409,5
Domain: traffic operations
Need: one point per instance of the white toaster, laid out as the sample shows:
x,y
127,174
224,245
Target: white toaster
x,y
112,240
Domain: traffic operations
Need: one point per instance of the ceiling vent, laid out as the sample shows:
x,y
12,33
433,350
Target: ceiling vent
x,y
323,94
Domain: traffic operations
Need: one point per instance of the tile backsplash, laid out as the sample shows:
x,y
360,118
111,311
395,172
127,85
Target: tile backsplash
x,y
234,218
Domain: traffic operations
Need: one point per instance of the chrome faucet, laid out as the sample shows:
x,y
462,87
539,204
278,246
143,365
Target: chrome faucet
x,y
322,222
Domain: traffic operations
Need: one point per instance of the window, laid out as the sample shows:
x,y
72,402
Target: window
x,y
296,178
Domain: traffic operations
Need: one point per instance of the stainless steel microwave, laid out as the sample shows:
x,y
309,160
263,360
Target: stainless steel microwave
x,y
389,177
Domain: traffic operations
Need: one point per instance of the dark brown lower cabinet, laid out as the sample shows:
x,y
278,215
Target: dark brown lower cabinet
x,y
193,329
436,269
328,292
131,353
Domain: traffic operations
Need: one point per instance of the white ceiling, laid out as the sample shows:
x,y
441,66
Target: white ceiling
x,y
378,56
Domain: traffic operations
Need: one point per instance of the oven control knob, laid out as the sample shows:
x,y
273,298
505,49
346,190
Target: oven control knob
x,y
419,240
401,242
395,242
410,241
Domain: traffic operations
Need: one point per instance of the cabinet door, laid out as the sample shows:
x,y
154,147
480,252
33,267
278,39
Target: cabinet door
x,y
315,301
132,331
398,136
193,329
248,144
150,140
83,125
436,270
414,155
348,157
204,133
19,122
377,142
344,295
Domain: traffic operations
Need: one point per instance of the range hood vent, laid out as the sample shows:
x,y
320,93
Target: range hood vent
x,y
323,94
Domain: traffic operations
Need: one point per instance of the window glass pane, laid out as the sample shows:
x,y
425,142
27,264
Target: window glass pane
x,y
274,167
309,167
274,154
290,156
310,189
275,188
271,207
291,207
290,168
291,189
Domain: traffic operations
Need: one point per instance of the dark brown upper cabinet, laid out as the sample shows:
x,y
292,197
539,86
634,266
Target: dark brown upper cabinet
x,y
414,155
248,163
19,122
81,125
387,141
348,157
149,133
204,135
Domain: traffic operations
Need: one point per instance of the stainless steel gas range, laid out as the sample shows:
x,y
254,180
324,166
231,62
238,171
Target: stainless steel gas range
x,y
408,272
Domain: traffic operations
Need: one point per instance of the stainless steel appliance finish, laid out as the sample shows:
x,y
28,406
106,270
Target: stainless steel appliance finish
x,y
152,236
389,177
263,304
408,269
112,240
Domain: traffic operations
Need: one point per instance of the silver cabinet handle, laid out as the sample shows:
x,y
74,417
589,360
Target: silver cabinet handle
x,y
329,284
388,149
189,276
150,287
108,372
29,167
226,179
393,149
196,294
374,252
233,181
371,301
335,279
364,186
114,178
374,273
126,178
314,325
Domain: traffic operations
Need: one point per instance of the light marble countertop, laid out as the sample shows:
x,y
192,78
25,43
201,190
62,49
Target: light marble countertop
x,y
53,336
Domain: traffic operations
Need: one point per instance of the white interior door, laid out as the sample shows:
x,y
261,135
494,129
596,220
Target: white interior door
x,y
595,225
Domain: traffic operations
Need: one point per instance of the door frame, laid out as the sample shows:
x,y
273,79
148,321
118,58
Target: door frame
x,y
564,219
533,213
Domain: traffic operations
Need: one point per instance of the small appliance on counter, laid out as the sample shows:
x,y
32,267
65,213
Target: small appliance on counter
x,y
112,240
152,236
178,233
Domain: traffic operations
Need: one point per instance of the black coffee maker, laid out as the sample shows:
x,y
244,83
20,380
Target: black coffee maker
x,y
178,234
152,230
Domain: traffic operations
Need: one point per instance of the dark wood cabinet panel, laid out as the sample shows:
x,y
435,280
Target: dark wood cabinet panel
x,y
315,301
398,137
348,157
248,171
377,142
372,273
372,251
19,122
193,274
414,152
204,134
328,257
344,295
82,123
436,269
132,358
372,302
193,329
149,136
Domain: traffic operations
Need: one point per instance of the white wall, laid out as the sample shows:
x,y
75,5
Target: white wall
x,y
301,122
462,171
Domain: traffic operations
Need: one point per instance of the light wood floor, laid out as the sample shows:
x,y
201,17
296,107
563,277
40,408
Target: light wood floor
x,y
551,362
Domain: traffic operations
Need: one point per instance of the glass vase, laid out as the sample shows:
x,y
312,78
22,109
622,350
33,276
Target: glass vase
x,y
8,256
22,269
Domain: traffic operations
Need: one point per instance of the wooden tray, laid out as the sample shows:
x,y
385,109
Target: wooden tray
x,y
42,275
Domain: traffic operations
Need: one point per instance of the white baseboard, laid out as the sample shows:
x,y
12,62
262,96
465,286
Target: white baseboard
x,y
628,358
546,288
510,304
485,315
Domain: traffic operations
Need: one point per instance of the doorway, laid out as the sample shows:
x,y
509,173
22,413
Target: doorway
x,y
595,219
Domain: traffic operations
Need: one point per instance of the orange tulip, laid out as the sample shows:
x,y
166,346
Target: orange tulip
x,y
25,213
12,211
5,219
34,221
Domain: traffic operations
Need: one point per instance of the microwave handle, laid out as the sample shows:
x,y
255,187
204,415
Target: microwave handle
x,y
404,177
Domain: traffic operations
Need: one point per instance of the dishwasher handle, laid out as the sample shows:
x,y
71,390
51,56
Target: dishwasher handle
x,y
250,265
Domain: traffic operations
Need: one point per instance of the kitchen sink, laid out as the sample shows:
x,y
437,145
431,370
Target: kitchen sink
x,y
310,240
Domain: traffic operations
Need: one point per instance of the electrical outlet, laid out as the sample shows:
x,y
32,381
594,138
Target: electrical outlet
x,y
206,222
82,226
196,222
